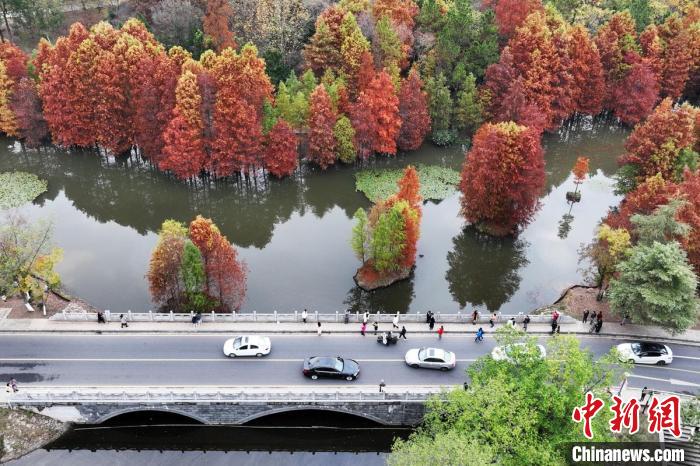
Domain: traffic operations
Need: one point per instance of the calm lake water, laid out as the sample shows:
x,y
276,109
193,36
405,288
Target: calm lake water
x,y
294,233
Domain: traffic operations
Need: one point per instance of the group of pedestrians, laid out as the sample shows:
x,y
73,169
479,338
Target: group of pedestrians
x,y
596,320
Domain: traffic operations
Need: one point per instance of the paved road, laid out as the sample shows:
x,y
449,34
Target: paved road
x,y
198,360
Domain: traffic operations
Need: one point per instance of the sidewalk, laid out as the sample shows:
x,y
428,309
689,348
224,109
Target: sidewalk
x,y
578,328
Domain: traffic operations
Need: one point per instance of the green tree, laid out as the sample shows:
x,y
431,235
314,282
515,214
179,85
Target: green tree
x,y
387,44
440,106
520,409
344,136
469,111
661,226
388,238
193,276
468,37
656,285
449,448
27,258
359,234
32,18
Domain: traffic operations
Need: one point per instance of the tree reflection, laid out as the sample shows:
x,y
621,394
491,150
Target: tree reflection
x,y
390,300
483,270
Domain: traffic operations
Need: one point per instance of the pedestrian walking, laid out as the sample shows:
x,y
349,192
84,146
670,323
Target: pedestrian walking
x,y
558,329
365,318
304,315
479,335
427,316
403,332
395,321
555,316
526,321
493,319
363,328
591,325
598,326
511,322
475,316
625,318
376,326
441,330
122,319
12,385
554,327
318,328
585,315
432,323
101,317
381,386
600,316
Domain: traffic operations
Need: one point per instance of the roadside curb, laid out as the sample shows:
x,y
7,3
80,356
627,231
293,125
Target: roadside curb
x,y
328,332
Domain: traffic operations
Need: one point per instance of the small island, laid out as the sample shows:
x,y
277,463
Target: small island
x,y
385,240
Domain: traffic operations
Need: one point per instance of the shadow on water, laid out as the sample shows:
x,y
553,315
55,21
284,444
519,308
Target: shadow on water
x,y
301,431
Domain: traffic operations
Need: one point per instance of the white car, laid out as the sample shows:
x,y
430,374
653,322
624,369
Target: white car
x,y
505,353
431,358
247,345
639,352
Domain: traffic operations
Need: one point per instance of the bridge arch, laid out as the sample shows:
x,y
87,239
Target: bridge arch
x,y
289,409
137,409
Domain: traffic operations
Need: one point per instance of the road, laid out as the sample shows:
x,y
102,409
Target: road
x,y
189,360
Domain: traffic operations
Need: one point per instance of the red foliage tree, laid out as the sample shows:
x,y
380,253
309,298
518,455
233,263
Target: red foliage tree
x,y
183,150
615,39
322,118
502,178
680,51
414,114
281,155
375,117
365,73
689,213
587,73
226,274
26,106
646,197
215,23
155,100
15,61
510,14
636,94
409,188
654,145
580,169
323,49
401,12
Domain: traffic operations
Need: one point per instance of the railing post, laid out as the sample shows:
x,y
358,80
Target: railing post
x,y
150,315
336,316
108,315
64,314
255,316
213,316
276,318
296,316
129,314
172,316
316,314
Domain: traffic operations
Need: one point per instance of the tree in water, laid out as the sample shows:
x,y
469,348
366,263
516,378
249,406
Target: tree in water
x,y
164,271
502,178
375,117
413,112
281,155
322,118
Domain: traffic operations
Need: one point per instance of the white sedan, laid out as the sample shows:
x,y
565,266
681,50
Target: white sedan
x,y
247,345
506,353
645,353
431,358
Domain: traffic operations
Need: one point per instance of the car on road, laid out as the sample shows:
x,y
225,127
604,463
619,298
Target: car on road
x,y
247,345
431,358
506,353
641,352
331,367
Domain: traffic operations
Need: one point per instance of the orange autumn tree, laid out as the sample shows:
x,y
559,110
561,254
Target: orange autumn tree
x,y
183,150
322,119
386,240
13,68
413,111
375,117
225,273
502,178
281,157
216,23
580,171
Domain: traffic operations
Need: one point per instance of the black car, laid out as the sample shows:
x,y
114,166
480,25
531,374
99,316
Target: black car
x,y
331,367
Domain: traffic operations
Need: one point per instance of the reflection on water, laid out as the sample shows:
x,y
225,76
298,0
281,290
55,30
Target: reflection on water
x,y
294,233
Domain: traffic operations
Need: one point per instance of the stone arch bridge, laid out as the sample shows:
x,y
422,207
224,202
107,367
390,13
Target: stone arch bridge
x,y
397,406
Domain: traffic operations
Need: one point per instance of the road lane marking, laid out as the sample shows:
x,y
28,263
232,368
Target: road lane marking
x,y
222,359
665,368
671,381
685,357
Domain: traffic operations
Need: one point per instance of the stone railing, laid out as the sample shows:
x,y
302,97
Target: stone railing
x,y
143,394
277,317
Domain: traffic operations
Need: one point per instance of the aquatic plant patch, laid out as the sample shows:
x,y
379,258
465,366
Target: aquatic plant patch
x,y
18,188
436,182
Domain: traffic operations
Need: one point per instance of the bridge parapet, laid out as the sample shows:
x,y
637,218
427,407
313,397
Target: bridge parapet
x,y
224,405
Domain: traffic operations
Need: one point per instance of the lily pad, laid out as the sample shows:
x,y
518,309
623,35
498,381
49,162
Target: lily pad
x,y
17,188
436,182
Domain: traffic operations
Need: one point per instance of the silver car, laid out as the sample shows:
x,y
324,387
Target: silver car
x,y
247,345
431,358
